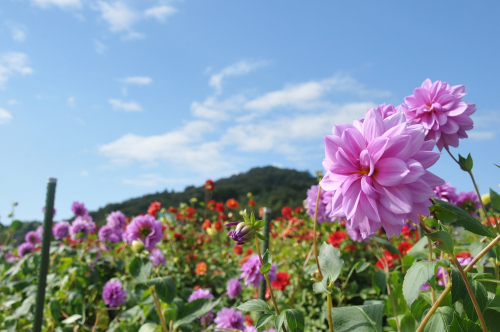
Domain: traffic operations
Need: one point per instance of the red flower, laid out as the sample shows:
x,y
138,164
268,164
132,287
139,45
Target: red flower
x,y
350,247
248,320
219,208
201,268
196,287
261,212
299,209
337,238
154,208
463,254
243,261
206,224
211,204
282,280
238,250
190,211
232,203
403,247
218,225
251,202
389,259
249,252
286,212
209,185
172,210
222,218
178,237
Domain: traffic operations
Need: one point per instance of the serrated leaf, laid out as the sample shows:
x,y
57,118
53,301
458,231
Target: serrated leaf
x,y
255,305
362,266
140,268
268,258
440,320
389,246
279,321
419,306
459,324
165,288
330,262
408,323
265,268
444,239
294,320
458,288
379,279
417,275
481,296
192,310
365,318
263,319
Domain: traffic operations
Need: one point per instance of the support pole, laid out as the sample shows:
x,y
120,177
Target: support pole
x,y
44,264
264,247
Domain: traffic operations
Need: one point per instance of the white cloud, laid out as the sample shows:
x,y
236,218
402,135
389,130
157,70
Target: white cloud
x,y
160,12
141,80
12,102
131,106
12,63
84,173
60,3
118,15
5,116
100,47
153,180
240,68
212,109
18,31
71,102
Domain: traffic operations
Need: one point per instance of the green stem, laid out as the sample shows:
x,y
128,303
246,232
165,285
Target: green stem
x,y
314,232
330,305
158,308
433,292
389,292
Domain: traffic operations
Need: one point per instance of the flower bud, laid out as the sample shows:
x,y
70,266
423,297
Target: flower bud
x,y
176,260
193,200
137,246
211,231
242,233
316,276
486,199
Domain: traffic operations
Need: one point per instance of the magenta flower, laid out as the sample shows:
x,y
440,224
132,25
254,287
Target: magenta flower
x,y
324,207
116,220
250,329
39,230
230,319
10,258
233,288
203,294
251,272
113,294
108,234
468,202
446,193
242,233
79,209
146,228
377,172
79,229
25,248
386,111
60,230
32,237
156,257
440,109
355,234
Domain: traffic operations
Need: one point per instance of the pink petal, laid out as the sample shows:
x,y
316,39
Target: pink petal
x,y
369,207
432,180
394,120
337,211
420,191
351,199
389,218
338,129
332,144
373,125
390,171
426,158
398,147
332,182
353,141
377,147
416,171
396,199
367,187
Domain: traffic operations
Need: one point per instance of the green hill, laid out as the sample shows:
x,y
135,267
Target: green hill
x,y
271,186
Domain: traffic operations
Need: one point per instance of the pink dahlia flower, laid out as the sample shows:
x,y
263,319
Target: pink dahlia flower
x,y
446,193
146,228
440,109
377,171
324,206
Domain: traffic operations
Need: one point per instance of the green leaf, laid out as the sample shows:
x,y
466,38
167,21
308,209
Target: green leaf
x,y
481,296
265,268
418,250
279,321
495,199
16,225
464,218
379,281
71,319
294,320
255,305
490,316
496,165
55,309
440,320
408,323
444,239
148,327
389,246
365,318
330,262
466,164
192,310
268,258
262,237
140,268
165,288
362,266
459,324
458,288
418,274
475,248
419,306
259,224
263,319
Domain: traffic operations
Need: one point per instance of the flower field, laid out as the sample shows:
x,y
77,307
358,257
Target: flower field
x,y
380,244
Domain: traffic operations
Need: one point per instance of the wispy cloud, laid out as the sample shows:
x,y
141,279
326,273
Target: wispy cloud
x,y
239,68
5,116
130,106
160,12
13,63
141,80
58,3
99,47
118,15
18,31
71,102
84,173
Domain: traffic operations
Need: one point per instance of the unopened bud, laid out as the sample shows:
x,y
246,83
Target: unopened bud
x,y
193,200
316,276
176,260
137,246
486,199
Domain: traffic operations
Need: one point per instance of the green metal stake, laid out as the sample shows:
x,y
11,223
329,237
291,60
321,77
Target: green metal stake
x,y
264,247
44,264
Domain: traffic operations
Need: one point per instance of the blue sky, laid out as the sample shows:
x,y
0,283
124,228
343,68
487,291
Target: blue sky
x,y
117,99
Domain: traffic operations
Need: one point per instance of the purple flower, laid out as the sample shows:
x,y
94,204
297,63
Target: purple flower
x,y
355,234
376,170
425,287
468,202
79,229
233,288
250,329
156,257
324,208
446,193
10,258
203,294
25,248
108,234
440,109
116,220
229,319
39,230
32,237
251,272
113,294
60,230
242,233
79,209
146,228
385,111
270,330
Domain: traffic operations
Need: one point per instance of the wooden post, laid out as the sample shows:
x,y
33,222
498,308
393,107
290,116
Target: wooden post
x,y
264,247
44,263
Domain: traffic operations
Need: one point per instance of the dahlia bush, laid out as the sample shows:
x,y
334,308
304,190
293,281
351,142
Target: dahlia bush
x,y
380,244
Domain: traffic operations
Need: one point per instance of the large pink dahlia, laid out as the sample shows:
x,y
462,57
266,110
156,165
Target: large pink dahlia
x,y
440,109
377,171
